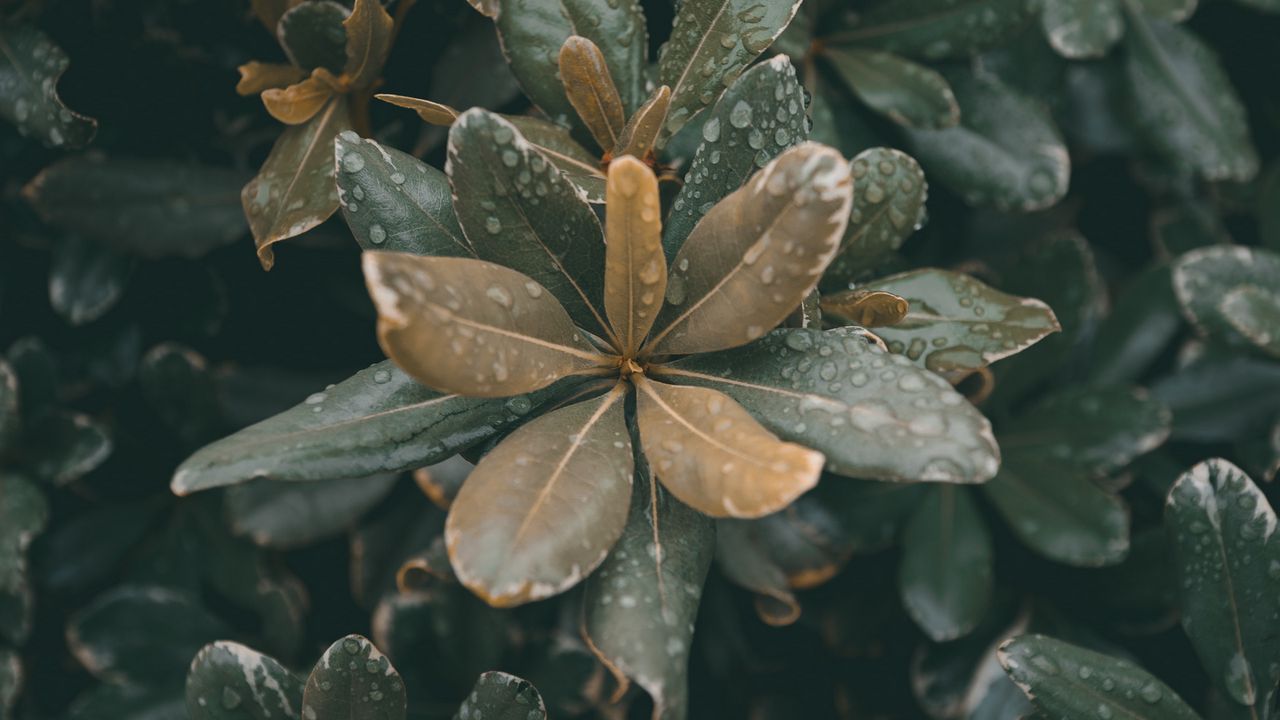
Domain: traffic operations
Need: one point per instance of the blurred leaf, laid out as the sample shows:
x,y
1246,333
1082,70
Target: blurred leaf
x,y
888,205
1140,327
441,638
111,702
1219,396
86,280
635,268
285,515
499,696
590,90
23,514
10,681
1254,313
1171,10
946,574
178,384
1080,29
65,446
30,66
313,35
1268,208
353,680
870,514
909,94
37,376
10,411
89,546
1204,278
935,29
228,681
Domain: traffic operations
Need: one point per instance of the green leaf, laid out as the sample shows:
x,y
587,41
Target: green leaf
x,y
1006,152
888,206
532,32
947,564
936,29
178,384
870,514
86,279
759,116
312,35
1185,102
1171,10
1255,314
579,165
90,545
10,680
640,605
712,42
909,94
10,411
1064,680
521,211
23,515
1143,321
394,201
869,412
146,207
30,65
441,637
1223,533
353,681
1080,29
1220,396
228,681
1204,278
379,420
957,324
500,696
286,515
956,679
65,446
294,191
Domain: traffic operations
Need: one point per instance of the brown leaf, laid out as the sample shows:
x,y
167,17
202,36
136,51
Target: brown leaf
x,y
641,131
297,103
868,308
635,271
591,91
543,508
472,327
709,452
752,259
369,34
430,112
258,76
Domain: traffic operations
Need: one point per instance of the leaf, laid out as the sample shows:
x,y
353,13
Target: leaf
x,y
299,102
947,564
868,411
1099,430
742,133
935,29
1080,29
86,280
542,509
370,31
1220,396
286,515
957,324
533,31
10,412
23,514
1171,10
89,546
641,132
1006,152
590,90
10,680
755,256
500,696
909,94
888,206
379,420
1185,102
65,446
228,681
1223,534
269,12
519,210
635,268
640,605
313,34
256,77
866,308
870,514
180,387
1143,321
107,701
394,201
30,66
556,144
712,42
353,680
294,190
1069,681
1204,277
144,207
734,467
496,333
431,112
1255,314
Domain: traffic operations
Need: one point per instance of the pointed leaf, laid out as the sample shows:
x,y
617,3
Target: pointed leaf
x,y
936,29
65,446
431,112
286,515
888,206
1069,681
519,210
947,564
742,133
228,681
640,605
712,42
86,279
709,452
869,411
1225,546
641,132
353,681
297,103
754,257
369,31
294,190
1080,29
30,66
542,509
1099,430
258,76
591,91
908,94
499,696
556,144
1255,314
635,268
1204,277
496,333
394,201
313,35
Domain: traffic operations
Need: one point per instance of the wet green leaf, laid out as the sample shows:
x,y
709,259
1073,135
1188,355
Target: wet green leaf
x,y
1223,533
556,144
23,515
888,205
312,35
1203,280
935,29
1069,681
1255,314
871,413
228,681
354,681
86,280
286,515
30,65
947,564
500,696
1080,29
903,91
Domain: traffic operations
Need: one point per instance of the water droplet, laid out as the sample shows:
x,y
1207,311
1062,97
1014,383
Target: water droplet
x,y
1239,680
493,225
351,646
1151,693
740,116
230,698
382,376
377,235
499,294
352,162
316,398
711,131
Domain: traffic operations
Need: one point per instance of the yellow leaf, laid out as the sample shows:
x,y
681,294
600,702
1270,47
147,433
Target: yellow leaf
x,y
752,259
591,91
473,327
258,76
369,33
709,452
641,131
297,103
868,308
431,112
635,271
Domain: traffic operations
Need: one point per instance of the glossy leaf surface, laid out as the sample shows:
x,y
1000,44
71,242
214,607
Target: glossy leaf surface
x,y
353,680
906,93
888,205
936,29
228,681
30,66
635,268
947,564
500,696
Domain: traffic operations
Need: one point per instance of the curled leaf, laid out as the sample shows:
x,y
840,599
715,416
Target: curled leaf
x,y
430,112
258,76
299,102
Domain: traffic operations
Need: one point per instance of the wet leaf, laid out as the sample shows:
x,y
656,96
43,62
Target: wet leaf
x,y
556,144
1255,314
1185,102
294,190
258,76
1099,430
495,333
313,35
542,509
947,564
865,308
23,514
635,268
908,94
394,201
30,66
369,31
499,696
353,680
888,206
299,102
756,254
1006,152
1223,534
1069,681
1080,29
641,131
1204,278
591,91
1171,10
935,29
957,324
86,280
759,116
868,411
640,605
519,210
286,515
228,681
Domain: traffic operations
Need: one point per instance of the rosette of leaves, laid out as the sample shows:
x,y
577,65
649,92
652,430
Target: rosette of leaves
x,y
335,58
